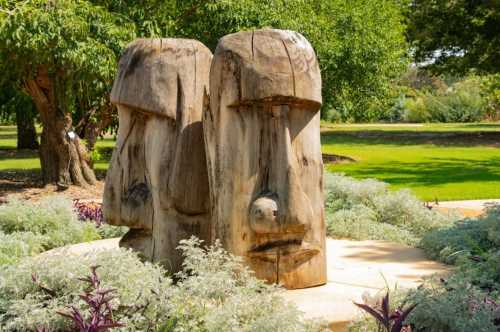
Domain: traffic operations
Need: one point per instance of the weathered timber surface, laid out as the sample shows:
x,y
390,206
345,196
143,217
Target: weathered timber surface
x,y
157,182
262,138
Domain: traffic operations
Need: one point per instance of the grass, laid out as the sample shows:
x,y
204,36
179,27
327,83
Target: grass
x,y
26,160
443,161
418,128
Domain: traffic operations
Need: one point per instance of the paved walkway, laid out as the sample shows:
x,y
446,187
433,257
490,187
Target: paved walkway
x,y
478,204
354,267
470,208
357,267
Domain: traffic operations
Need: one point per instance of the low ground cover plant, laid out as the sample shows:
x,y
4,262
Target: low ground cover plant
x,y
214,292
28,228
467,237
368,210
468,298
440,305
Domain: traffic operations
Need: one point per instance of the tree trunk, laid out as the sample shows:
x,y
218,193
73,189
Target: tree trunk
x,y
63,158
93,129
26,133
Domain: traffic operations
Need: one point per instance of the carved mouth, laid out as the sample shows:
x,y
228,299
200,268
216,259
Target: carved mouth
x,y
290,249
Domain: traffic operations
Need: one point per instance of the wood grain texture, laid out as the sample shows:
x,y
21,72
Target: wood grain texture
x,y
157,183
262,139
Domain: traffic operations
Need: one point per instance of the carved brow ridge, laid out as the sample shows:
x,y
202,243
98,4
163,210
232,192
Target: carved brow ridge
x,y
278,101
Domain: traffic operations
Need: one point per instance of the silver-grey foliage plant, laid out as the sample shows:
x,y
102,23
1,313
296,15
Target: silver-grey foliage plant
x,y
368,210
214,292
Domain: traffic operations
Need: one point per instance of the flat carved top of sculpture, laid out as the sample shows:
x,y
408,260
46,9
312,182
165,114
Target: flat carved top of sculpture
x,y
273,64
151,70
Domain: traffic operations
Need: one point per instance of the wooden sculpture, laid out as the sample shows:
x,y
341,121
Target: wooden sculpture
x,y
262,138
157,182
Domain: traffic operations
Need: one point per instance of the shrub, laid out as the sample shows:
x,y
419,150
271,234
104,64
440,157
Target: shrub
x,y
52,216
28,228
367,209
142,290
490,87
92,212
107,231
458,303
463,101
359,223
464,238
214,293
468,298
453,305
18,245
415,110
366,322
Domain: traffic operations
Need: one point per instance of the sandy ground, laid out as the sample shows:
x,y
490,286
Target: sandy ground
x,y
24,188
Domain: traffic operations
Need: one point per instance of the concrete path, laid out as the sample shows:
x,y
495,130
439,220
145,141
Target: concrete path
x,y
82,248
357,267
354,268
470,208
478,204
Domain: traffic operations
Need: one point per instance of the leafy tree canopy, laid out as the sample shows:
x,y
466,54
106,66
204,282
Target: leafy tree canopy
x,y
73,39
62,53
360,44
456,36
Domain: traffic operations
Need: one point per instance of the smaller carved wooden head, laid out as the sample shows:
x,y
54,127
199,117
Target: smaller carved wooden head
x,y
262,136
157,181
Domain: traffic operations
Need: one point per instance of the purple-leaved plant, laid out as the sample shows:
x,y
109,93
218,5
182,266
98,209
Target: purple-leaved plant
x,y
89,211
99,303
390,321
100,312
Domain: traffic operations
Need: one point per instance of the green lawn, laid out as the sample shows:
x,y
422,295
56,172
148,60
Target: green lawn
x,y
417,128
447,162
13,160
443,161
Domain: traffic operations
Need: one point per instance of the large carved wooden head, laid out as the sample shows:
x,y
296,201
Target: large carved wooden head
x,y
157,182
262,137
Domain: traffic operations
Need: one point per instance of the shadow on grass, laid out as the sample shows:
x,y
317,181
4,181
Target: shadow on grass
x,y
7,129
10,135
481,125
436,172
9,154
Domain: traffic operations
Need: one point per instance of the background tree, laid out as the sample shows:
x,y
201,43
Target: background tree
x,y
456,36
63,54
52,48
360,44
17,107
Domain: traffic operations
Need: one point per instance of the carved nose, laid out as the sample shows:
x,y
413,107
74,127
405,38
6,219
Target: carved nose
x,y
264,215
